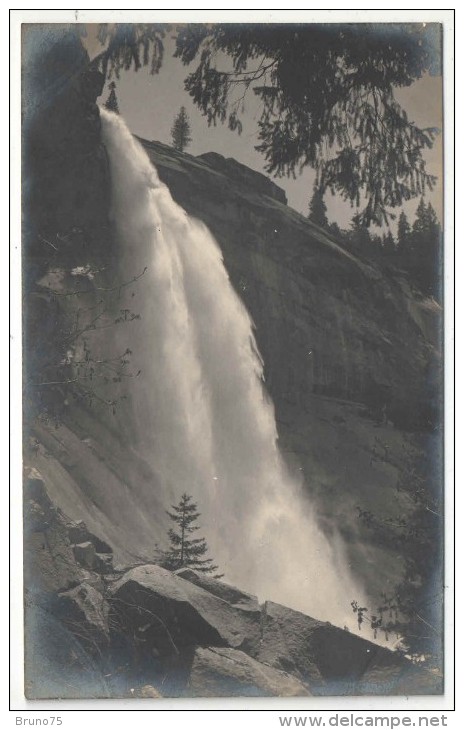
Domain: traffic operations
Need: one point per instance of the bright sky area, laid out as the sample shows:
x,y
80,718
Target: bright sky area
x,y
149,104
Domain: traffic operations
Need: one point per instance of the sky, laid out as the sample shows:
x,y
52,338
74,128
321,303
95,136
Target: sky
x,y
149,104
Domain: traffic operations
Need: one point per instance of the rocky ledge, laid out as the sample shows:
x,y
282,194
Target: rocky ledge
x,y
96,630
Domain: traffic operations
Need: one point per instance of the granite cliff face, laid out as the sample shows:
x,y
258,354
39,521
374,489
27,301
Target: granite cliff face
x,y
327,322
352,354
352,361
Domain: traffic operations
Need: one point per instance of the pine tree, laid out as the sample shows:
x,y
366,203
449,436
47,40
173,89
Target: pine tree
x,y
318,209
112,101
432,220
421,223
180,130
412,608
426,250
404,232
376,245
359,234
185,551
388,243
335,230
326,95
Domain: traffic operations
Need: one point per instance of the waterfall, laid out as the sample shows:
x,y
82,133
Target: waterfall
x,y
201,415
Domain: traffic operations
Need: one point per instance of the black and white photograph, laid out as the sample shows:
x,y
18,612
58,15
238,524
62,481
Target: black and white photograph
x,y
232,282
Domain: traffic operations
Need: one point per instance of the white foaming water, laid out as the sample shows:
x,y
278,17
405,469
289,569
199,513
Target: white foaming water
x,y
202,417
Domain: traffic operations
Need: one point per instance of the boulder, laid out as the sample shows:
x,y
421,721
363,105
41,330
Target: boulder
x,y
49,561
89,550
173,614
232,595
224,672
39,512
148,692
103,563
334,661
34,486
286,642
79,533
402,678
84,611
85,554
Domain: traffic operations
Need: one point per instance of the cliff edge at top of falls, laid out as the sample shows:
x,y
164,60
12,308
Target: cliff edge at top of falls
x,y
225,168
335,324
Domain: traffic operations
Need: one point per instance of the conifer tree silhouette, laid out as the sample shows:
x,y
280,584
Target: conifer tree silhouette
x,y
186,551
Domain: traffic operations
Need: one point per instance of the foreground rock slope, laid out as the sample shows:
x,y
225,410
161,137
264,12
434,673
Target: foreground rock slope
x,y
144,631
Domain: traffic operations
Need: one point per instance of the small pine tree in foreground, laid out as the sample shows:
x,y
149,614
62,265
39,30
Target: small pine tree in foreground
x,y
112,101
186,551
180,130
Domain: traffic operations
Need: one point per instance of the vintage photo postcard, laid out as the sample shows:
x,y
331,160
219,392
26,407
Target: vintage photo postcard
x,y
233,362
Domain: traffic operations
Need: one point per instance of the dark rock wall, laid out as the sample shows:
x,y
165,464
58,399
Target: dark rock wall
x,y
65,184
327,322
65,169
